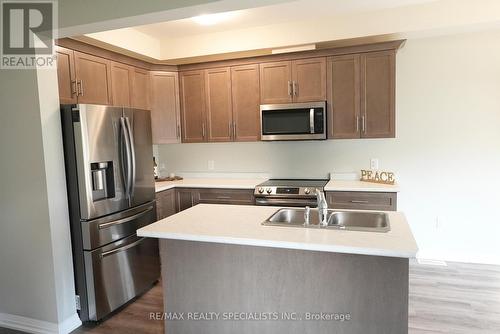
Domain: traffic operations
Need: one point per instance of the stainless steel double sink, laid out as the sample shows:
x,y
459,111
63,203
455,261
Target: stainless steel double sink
x,y
342,220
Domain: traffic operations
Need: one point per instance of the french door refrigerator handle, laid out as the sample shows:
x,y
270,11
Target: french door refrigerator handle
x,y
121,249
128,162
132,154
124,220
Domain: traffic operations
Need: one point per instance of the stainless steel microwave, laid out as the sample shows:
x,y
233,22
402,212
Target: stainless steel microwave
x,y
295,121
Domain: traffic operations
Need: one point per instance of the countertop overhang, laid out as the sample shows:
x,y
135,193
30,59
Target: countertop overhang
x,y
241,225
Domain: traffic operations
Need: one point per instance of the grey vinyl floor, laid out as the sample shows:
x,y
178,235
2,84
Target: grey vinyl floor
x,y
457,299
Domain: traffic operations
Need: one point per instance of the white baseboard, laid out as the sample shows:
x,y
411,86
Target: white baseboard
x,y
35,326
464,257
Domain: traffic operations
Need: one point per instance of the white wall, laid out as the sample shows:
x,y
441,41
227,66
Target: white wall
x,y
26,276
446,154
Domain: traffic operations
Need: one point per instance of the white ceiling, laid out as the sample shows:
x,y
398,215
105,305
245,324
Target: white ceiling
x,y
280,13
259,30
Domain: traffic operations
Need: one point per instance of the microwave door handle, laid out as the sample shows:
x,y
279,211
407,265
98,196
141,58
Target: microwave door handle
x,y
311,120
132,157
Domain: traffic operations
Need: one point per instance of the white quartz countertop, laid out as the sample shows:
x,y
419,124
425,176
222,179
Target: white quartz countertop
x,y
228,183
342,185
209,183
241,225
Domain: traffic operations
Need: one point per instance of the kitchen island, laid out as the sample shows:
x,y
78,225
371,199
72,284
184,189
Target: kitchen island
x,y
223,272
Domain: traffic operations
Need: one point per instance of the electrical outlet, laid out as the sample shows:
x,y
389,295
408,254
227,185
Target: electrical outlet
x,y
373,163
211,164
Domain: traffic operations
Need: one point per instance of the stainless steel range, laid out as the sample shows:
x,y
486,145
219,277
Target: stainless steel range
x,y
288,192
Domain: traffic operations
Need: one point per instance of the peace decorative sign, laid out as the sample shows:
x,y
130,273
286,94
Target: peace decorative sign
x,y
377,177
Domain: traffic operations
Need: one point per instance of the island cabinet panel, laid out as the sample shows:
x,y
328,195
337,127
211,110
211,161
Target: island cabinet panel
x,y
343,91
309,80
276,82
385,201
226,196
140,89
378,94
218,104
66,75
165,203
369,292
192,92
93,79
245,90
121,77
165,108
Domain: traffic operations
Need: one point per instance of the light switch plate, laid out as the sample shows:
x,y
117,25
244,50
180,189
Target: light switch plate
x,y
373,163
211,164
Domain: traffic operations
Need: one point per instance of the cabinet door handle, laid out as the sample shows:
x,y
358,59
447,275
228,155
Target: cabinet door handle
x,y
203,130
230,130
289,88
73,88
178,131
234,130
295,88
363,124
357,123
80,84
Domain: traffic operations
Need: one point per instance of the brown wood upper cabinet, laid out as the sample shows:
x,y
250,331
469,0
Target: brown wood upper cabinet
x,y
378,76
83,78
245,90
361,95
193,118
218,104
302,80
140,84
121,78
93,79
165,110
66,75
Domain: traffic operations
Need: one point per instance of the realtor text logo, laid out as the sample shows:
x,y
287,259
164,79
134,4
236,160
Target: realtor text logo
x,y
27,34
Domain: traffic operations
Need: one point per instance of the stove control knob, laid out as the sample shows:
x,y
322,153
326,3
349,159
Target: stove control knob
x,y
307,191
269,190
260,190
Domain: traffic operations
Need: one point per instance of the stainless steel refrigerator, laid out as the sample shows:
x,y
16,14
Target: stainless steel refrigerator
x,y
109,172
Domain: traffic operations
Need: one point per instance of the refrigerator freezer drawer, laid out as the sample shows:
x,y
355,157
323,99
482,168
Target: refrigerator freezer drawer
x,y
99,232
119,272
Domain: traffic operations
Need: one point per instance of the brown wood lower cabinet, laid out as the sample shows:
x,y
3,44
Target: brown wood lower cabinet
x,y
357,200
188,197
226,196
165,203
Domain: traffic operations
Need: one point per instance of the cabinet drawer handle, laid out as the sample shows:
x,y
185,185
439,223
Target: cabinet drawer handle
x,y
223,197
359,201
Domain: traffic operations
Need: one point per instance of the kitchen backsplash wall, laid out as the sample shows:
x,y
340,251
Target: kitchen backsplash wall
x,y
447,115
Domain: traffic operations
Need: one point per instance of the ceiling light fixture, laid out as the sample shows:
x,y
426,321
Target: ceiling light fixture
x,y
211,19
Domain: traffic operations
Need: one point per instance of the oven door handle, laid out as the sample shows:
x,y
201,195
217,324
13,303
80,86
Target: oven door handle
x,y
286,202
